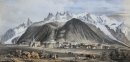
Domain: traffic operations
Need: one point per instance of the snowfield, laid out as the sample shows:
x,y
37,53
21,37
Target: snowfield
x,y
98,21
18,32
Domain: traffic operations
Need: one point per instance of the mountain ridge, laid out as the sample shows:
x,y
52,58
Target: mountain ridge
x,y
72,30
8,37
102,23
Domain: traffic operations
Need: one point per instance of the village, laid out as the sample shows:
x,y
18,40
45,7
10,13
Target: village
x,y
71,51
71,44
64,52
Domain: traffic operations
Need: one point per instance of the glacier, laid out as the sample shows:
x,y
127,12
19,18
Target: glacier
x,y
19,31
99,21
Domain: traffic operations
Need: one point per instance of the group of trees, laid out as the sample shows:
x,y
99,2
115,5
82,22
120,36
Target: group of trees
x,y
119,55
116,55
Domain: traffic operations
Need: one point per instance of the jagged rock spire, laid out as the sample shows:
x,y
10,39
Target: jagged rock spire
x,y
29,22
50,15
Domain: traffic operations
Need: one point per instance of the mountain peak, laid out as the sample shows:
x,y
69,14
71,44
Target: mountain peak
x,y
29,22
74,20
50,15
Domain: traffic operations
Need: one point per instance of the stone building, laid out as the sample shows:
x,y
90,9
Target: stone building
x,y
49,44
73,44
99,46
35,43
58,45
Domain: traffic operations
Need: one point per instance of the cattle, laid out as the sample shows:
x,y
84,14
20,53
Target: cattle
x,y
88,56
35,54
70,53
91,56
77,57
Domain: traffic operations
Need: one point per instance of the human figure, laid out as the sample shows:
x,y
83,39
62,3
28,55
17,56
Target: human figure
x,y
50,56
30,44
75,57
20,53
56,55
78,57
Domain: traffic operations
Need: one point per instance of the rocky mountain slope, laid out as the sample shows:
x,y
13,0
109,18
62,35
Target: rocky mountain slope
x,y
15,32
90,28
76,30
72,30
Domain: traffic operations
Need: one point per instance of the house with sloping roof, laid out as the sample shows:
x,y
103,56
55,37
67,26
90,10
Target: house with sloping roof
x,y
49,44
58,44
65,45
73,44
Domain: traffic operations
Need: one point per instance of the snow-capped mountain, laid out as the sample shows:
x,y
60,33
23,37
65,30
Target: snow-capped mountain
x,y
99,21
85,17
15,32
59,17
107,29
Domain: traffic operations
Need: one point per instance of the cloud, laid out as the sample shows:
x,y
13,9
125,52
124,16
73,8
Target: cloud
x,y
97,6
126,12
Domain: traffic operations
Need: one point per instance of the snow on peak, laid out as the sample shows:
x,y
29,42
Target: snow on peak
x,y
126,30
19,31
112,23
103,20
59,17
81,15
22,27
99,21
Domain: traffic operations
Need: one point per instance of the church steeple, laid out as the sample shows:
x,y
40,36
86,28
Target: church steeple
x,y
33,39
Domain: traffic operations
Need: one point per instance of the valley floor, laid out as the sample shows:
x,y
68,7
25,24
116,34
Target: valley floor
x,y
62,53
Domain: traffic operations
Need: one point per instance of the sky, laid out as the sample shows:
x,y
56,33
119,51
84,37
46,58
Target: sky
x,y
16,12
